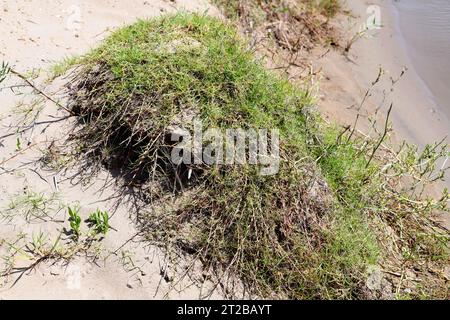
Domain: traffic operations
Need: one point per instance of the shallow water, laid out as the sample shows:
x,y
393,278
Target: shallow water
x,y
425,27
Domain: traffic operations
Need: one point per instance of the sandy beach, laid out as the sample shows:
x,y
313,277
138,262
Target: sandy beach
x,y
425,29
416,117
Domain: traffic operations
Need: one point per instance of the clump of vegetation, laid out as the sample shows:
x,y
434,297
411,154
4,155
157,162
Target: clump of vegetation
x,y
313,229
293,25
32,206
329,8
61,67
41,248
4,71
74,220
100,221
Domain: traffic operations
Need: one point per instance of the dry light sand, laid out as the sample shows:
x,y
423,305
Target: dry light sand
x,y
415,116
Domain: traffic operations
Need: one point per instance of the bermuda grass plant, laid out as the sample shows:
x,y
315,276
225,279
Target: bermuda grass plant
x,y
313,230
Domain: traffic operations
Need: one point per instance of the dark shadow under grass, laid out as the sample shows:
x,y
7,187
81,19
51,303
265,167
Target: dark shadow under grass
x,y
302,233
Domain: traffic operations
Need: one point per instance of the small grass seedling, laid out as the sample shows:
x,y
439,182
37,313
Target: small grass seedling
x,y
75,220
100,221
33,206
4,71
18,145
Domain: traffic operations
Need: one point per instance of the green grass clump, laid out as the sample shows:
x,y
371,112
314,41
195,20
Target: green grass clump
x,y
74,220
32,206
100,221
61,67
301,233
